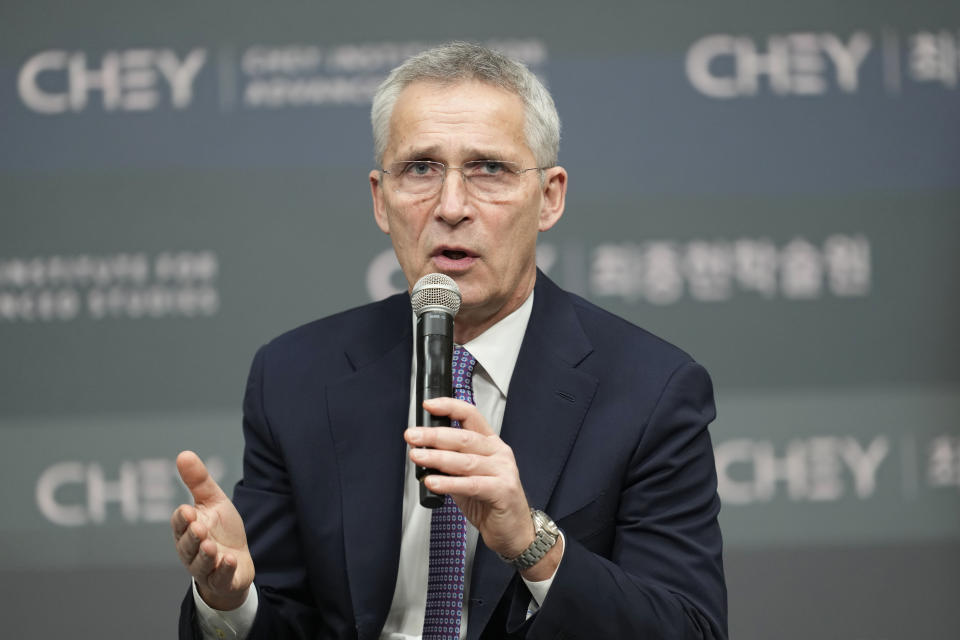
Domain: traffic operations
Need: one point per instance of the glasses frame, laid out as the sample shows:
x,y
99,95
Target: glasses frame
x,y
466,179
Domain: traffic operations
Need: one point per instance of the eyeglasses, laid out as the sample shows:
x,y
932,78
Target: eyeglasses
x,y
485,179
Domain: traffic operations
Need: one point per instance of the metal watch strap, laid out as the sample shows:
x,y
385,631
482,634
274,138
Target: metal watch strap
x,y
546,537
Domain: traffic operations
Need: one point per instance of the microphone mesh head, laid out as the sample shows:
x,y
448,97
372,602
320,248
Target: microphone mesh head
x,y
435,291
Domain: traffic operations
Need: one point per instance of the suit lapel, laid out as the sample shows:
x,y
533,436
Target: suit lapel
x,y
546,404
368,414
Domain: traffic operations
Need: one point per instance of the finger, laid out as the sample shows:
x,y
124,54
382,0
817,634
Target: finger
x,y
488,489
459,464
465,413
204,562
181,519
222,577
453,439
198,480
189,543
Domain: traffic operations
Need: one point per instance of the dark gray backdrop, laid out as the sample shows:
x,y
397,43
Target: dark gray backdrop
x,y
772,186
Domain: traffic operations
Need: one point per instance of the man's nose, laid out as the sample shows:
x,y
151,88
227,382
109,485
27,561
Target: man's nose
x,y
454,202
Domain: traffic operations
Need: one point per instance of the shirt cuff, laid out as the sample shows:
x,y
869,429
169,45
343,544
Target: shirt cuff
x,y
538,590
226,625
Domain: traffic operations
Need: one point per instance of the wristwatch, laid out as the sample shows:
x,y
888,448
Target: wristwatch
x,y
546,536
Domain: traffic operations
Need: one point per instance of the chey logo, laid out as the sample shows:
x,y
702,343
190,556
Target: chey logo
x,y
728,66
58,81
817,469
75,494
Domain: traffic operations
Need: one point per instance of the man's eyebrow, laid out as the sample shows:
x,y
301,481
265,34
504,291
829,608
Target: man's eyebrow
x,y
419,153
484,154
433,153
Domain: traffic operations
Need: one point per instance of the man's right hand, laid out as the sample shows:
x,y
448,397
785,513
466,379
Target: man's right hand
x,y
210,538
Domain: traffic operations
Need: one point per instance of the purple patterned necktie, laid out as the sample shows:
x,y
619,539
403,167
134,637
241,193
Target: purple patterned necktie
x,y
448,537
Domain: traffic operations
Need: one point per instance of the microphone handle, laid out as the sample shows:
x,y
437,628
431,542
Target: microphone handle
x,y
434,380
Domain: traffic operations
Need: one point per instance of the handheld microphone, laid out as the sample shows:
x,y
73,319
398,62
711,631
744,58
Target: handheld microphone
x,y
436,300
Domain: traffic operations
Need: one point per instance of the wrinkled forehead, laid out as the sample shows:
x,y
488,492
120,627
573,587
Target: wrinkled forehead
x,y
461,119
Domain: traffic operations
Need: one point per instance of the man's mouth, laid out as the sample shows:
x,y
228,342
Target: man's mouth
x,y
453,259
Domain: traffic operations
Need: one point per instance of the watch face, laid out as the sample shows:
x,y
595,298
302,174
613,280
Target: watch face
x,y
544,522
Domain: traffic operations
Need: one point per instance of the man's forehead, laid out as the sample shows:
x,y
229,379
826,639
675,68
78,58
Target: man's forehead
x,y
429,117
428,100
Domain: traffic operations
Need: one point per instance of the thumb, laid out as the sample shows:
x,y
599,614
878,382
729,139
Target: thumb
x,y
198,480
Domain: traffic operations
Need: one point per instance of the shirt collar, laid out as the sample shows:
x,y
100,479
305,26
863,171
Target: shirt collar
x,y
497,348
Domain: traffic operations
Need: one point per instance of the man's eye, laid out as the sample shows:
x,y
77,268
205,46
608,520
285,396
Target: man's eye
x,y
419,168
490,168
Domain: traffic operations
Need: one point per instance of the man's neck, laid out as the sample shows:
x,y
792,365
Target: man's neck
x,y
464,330
471,323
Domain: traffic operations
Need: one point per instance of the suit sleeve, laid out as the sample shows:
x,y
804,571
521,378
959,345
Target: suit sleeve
x,y
265,501
663,577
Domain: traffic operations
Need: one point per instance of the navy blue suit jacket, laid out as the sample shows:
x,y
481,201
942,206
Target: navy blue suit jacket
x,y
608,425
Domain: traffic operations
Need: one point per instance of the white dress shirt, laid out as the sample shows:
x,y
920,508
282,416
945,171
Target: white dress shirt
x,y
495,351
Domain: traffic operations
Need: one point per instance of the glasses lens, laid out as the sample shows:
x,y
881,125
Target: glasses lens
x,y
491,177
417,177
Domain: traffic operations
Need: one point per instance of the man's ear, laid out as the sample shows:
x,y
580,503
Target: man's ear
x,y
554,196
379,206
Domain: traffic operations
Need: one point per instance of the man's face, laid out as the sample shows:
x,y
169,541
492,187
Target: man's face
x,y
488,245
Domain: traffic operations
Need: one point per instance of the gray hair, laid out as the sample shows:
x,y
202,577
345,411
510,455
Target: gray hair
x,y
458,61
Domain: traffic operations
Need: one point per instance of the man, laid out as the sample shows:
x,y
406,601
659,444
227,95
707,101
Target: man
x,y
578,413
